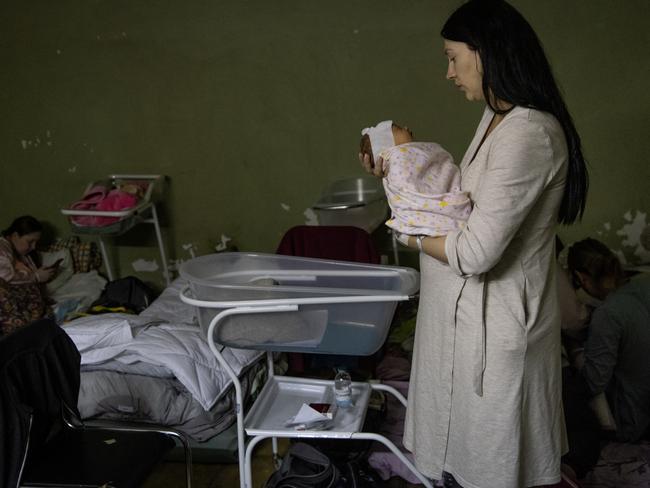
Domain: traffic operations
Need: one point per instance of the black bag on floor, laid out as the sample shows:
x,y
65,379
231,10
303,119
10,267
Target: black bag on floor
x,y
304,466
129,292
359,474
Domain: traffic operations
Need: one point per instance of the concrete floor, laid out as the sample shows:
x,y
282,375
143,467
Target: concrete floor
x,y
172,474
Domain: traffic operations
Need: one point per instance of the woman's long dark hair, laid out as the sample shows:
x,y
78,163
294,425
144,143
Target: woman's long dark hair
x,y
515,70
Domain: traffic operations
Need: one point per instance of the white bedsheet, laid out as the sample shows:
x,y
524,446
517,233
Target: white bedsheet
x,y
161,341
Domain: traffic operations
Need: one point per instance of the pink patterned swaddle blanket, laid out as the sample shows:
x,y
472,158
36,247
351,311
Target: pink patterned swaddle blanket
x,y
422,186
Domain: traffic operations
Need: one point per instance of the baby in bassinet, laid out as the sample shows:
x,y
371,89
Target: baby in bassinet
x,y
421,181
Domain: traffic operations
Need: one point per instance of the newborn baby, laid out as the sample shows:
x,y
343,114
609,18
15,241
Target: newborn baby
x,y
421,181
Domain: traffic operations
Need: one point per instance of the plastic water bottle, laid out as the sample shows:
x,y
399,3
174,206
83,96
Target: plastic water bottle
x,y
343,389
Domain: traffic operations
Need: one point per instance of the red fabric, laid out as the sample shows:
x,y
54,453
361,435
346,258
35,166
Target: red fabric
x,y
342,243
338,242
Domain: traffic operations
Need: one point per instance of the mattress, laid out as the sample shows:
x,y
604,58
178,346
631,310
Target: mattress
x,y
157,367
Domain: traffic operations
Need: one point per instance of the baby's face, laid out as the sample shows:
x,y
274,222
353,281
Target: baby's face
x,y
402,135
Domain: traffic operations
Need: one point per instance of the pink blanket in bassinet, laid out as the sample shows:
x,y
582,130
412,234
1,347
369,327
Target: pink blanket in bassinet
x,y
99,198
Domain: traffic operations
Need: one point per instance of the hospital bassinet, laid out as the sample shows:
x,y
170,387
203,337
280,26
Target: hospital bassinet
x,y
286,303
343,307
144,211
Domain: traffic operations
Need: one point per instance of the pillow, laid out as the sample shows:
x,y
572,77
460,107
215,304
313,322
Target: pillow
x,y
85,255
65,269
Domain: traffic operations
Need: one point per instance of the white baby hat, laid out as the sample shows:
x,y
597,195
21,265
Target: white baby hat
x,y
381,137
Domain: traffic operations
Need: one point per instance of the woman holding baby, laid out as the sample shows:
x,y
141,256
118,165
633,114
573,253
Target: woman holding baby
x,y
484,404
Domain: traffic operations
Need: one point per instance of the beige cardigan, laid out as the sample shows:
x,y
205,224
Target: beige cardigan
x,y
485,398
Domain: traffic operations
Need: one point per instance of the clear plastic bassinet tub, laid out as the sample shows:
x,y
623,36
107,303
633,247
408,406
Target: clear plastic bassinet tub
x,y
284,303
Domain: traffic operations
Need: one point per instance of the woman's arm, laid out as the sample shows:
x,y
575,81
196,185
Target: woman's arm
x,y
523,161
433,246
15,271
509,189
601,350
7,272
8,263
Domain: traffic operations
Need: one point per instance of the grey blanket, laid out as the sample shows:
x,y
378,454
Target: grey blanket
x,y
111,395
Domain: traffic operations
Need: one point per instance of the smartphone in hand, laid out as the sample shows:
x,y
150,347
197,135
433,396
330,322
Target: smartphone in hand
x,y
56,264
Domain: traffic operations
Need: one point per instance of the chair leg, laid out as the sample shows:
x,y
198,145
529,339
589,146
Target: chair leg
x,y
188,455
69,417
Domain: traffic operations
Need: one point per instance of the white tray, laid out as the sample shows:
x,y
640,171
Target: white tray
x,y
282,397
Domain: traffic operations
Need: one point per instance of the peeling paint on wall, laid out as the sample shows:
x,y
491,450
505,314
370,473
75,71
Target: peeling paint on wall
x,y
222,246
112,36
142,265
634,238
189,247
311,217
36,141
632,232
645,237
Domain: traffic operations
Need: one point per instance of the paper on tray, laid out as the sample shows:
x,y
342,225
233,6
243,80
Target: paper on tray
x,y
307,415
308,418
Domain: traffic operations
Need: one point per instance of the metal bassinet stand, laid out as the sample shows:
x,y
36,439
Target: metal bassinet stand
x,y
282,396
144,212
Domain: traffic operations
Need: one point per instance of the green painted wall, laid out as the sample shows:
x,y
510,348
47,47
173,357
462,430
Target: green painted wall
x,y
252,107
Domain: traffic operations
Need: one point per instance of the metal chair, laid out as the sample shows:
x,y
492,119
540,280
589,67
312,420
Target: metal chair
x,y
43,441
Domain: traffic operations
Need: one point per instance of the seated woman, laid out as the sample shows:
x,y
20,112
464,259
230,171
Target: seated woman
x,y
616,359
583,428
22,299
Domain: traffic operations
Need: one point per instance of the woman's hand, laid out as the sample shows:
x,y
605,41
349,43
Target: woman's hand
x,y
377,169
45,274
433,246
